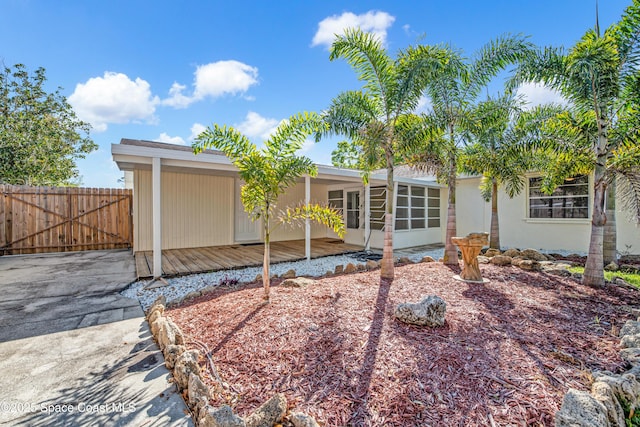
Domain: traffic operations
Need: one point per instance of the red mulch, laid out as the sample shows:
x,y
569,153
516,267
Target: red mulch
x,y
509,351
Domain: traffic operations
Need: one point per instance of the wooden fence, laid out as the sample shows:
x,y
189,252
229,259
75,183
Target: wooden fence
x,y
58,219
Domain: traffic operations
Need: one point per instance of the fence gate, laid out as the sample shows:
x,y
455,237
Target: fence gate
x,y
58,219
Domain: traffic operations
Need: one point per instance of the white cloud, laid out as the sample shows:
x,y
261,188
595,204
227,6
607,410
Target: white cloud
x,y
424,104
254,125
306,147
214,80
537,94
375,22
170,139
113,98
196,130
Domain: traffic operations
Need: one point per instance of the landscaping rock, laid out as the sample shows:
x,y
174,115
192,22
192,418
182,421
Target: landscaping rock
x,y
339,269
198,393
298,282
428,312
372,265
159,304
289,274
483,259
168,334
492,252
631,355
529,265
220,417
171,354
361,267
631,327
269,413
186,364
580,409
628,268
191,295
350,268
405,260
157,324
603,393
153,315
512,253
630,341
534,255
612,266
550,257
558,271
501,260
625,387
258,278
298,419
427,258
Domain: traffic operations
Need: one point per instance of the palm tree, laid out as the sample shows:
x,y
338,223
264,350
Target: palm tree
x,y
600,76
453,92
268,172
392,88
497,127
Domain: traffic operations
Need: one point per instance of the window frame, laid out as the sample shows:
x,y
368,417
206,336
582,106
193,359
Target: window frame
x,y
588,195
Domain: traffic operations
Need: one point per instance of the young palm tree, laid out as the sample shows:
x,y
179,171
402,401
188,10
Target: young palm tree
x,y
268,172
600,76
497,127
392,88
453,92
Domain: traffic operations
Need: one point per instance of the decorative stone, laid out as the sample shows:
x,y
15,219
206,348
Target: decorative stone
x,y
405,260
361,267
350,268
157,324
579,408
372,265
470,246
269,413
258,278
198,393
289,274
191,295
168,334
534,255
612,266
171,354
159,304
186,364
501,260
427,258
339,269
558,271
550,257
491,252
298,282
529,265
220,417
631,355
625,387
630,341
483,259
298,419
428,312
603,393
153,315
512,253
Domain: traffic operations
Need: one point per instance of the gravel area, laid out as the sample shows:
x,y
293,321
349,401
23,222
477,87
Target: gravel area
x,y
181,286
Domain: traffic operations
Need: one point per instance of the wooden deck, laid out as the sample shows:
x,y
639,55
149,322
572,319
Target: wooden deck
x,y
177,262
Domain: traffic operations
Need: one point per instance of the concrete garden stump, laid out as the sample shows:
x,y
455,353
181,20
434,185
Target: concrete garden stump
x,y
470,247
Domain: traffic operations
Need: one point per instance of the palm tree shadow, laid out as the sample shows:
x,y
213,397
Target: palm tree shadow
x,y
360,413
237,328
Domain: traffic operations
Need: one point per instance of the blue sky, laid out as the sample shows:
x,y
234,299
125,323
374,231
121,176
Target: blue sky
x,y
160,70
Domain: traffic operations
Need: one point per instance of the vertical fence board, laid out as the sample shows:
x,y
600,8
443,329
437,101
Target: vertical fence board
x,y
57,219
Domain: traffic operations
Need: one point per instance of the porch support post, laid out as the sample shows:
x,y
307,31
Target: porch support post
x,y
367,217
157,218
307,224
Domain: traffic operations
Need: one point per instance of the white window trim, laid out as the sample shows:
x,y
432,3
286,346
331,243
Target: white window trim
x,y
527,210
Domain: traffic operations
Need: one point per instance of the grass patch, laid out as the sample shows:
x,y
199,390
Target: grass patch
x,y
631,278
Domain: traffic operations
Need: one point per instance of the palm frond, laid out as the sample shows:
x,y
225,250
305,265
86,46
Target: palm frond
x,y
321,214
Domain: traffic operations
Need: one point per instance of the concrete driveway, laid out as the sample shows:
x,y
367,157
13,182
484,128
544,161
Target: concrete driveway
x,y
75,352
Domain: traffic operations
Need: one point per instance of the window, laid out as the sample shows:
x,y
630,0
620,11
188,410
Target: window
x,y
569,200
433,204
335,200
353,209
377,207
402,208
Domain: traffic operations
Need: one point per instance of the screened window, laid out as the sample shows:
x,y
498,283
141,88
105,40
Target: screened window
x,y
569,200
412,206
336,200
433,207
377,207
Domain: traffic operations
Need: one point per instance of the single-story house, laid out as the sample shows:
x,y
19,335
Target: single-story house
x,y
181,200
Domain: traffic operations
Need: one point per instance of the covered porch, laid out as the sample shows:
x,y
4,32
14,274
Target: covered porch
x,y
198,260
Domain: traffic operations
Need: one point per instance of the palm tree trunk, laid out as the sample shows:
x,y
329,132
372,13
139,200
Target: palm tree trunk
x,y
610,243
266,278
450,250
594,268
386,265
495,226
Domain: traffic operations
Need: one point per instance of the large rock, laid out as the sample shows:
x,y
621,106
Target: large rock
x,y
630,341
269,413
631,327
603,393
157,324
529,265
501,260
169,334
298,282
220,417
612,266
298,419
158,305
483,259
625,387
405,260
534,255
631,355
372,265
339,269
350,268
427,258
289,274
186,364
171,354
198,393
512,253
580,409
492,252
428,312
